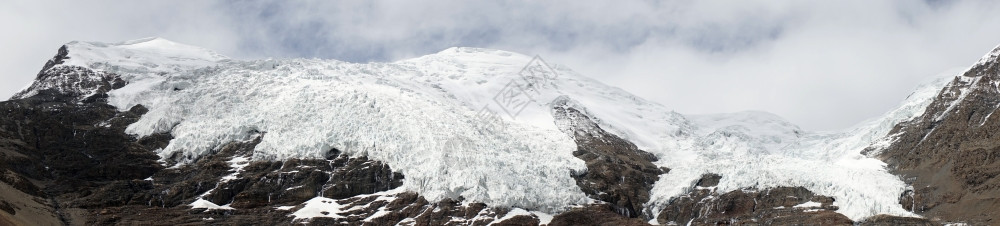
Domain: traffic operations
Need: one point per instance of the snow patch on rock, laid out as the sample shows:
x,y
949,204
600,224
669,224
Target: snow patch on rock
x,y
320,207
205,204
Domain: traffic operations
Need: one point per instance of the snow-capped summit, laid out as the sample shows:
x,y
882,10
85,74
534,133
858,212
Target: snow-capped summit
x,y
147,54
111,62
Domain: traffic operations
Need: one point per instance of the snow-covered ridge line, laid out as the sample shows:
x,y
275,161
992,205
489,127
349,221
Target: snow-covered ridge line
x,y
989,57
132,60
424,117
147,55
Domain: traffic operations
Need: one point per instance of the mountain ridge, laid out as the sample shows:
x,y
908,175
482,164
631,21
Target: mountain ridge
x,y
470,63
420,116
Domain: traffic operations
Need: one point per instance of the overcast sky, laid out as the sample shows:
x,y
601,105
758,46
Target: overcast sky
x,y
820,64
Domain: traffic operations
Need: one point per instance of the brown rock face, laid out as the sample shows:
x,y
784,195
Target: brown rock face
x,y
59,144
949,153
775,206
7,207
617,171
412,209
594,215
884,220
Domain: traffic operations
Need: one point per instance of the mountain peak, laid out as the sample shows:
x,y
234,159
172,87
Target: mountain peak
x,y
990,57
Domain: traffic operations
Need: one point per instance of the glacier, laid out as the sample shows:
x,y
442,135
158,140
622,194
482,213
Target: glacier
x,y
425,118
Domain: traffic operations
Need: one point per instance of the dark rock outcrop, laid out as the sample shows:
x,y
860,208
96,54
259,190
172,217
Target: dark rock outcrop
x,y
407,208
617,171
601,214
7,207
61,56
73,84
774,206
885,220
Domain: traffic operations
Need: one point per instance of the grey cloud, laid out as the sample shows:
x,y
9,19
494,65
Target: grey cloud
x,y
821,64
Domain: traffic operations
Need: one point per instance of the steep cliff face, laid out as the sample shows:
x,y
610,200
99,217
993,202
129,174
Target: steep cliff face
x,y
949,154
704,205
617,171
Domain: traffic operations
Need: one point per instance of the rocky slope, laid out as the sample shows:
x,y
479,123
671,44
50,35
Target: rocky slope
x,y
617,171
773,206
948,155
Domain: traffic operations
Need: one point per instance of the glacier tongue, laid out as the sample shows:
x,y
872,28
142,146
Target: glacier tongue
x,y
308,107
424,117
759,150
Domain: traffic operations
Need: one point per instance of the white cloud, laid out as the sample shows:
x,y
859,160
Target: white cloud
x,y
821,64
831,65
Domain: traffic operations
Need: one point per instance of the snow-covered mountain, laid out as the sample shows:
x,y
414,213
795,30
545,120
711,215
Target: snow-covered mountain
x,y
469,124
